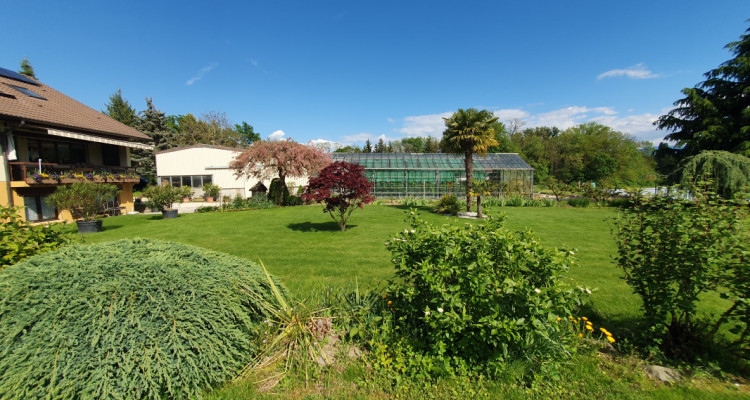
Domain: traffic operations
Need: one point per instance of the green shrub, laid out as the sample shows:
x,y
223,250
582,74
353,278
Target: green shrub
x,y
515,201
673,250
579,202
448,204
207,209
413,202
291,200
481,294
19,239
84,200
275,190
164,196
127,319
211,190
548,202
533,203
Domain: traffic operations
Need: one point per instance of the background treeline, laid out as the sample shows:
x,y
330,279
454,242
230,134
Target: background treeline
x,y
584,153
170,131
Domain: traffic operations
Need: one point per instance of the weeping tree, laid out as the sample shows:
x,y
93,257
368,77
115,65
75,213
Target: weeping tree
x,y
469,132
279,159
729,173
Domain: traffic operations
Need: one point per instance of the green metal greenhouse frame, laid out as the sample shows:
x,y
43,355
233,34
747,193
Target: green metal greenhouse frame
x,y
431,175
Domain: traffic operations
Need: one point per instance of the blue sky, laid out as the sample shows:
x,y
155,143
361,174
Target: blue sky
x,y
344,71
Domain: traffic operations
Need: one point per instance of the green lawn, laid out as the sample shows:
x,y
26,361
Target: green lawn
x,y
304,247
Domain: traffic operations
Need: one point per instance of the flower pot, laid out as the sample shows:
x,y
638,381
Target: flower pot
x,y
89,226
209,199
169,214
185,199
141,208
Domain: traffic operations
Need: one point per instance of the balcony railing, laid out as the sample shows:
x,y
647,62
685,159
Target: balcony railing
x,y
52,174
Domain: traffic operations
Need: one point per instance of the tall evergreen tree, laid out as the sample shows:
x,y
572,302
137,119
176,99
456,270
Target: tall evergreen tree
x,y
715,115
155,124
367,148
27,69
120,110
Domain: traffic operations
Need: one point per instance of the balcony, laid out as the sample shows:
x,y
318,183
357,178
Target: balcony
x,y
55,174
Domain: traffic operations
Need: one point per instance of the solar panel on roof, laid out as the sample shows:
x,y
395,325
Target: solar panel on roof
x,y
16,76
26,91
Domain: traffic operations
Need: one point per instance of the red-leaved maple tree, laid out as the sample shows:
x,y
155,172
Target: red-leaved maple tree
x,y
282,158
341,187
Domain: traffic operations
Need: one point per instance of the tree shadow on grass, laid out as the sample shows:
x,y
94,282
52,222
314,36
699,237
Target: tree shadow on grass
x,y
715,355
329,226
109,227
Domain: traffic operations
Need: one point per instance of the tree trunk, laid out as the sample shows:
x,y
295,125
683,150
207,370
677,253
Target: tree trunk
x,y
479,206
469,166
282,186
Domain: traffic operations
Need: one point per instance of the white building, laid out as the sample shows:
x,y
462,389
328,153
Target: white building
x,y
199,164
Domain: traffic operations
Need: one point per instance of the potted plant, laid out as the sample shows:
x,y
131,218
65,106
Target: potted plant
x,y
162,198
85,202
187,193
211,191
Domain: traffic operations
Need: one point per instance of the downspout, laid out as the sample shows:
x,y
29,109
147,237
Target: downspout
x,y
4,144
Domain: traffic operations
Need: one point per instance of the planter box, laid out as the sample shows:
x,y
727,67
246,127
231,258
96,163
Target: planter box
x,y
169,214
31,181
89,226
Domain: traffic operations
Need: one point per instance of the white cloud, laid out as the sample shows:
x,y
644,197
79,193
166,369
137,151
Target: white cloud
x,y
203,71
276,135
257,65
357,138
391,120
325,145
511,113
425,125
638,125
638,71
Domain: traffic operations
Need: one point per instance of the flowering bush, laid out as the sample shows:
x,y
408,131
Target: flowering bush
x,y
480,293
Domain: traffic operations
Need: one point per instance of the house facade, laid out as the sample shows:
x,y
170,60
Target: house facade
x,y
49,139
199,164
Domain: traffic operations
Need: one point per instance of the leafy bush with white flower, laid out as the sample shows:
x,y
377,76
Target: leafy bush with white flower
x,y
480,294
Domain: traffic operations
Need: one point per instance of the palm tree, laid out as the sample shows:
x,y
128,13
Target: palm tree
x,y
468,132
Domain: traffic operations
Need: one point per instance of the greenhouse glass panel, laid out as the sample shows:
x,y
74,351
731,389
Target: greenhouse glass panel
x,y
431,175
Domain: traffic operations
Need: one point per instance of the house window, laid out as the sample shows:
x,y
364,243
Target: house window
x,y
37,208
56,152
110,155
196,181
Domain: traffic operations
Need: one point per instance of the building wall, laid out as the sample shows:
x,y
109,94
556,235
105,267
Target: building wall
x,y
214,162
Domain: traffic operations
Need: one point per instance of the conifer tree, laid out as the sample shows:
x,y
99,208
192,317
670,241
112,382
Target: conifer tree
x,y
714,114
27,69
120,110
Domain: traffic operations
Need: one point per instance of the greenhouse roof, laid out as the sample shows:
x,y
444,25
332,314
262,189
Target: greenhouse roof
x,y
432,161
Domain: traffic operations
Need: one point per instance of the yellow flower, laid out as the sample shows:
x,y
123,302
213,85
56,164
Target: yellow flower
x,y
390,302
584,318
588,323
589,328
570,318
611,339
559,319
580,335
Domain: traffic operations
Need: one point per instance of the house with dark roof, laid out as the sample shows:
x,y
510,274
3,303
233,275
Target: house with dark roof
x,y
49,139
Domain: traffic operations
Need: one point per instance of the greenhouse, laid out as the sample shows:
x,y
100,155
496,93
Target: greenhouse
x,y
431,175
